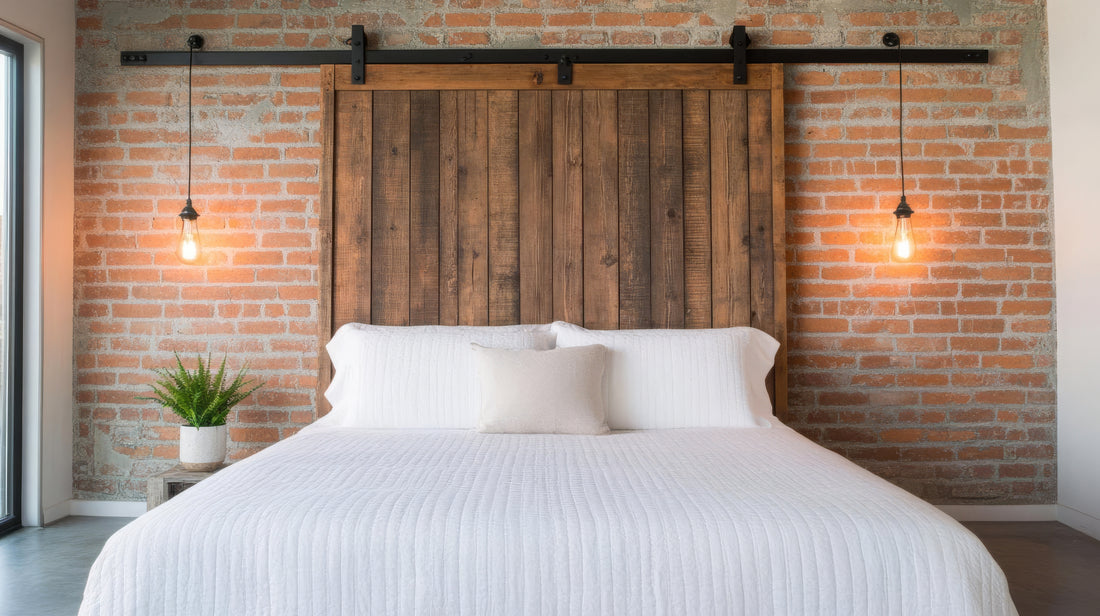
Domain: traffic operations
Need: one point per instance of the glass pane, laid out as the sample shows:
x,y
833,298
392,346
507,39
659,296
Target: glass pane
x,y
7,189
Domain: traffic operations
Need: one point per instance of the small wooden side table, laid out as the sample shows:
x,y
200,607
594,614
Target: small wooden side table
x,y
171,482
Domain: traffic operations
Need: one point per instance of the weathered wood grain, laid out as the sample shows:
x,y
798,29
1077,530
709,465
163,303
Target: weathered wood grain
x,y
504,272
448,207
473,208
779,244
325,239
600,209
568,196
635,279
761,299
536,208
390,210
352,208
697,233
666,206
618,205
544,77
424,208
729,209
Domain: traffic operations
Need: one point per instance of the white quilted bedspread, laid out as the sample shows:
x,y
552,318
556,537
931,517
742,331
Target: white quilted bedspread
x,y
700,521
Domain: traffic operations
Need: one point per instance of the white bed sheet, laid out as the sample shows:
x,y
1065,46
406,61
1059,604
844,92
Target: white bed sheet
x,y
693,521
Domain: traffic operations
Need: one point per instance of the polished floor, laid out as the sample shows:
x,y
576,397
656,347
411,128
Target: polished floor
x,y
43,570
1052,569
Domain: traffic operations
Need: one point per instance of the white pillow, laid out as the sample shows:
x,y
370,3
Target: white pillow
x,y
682,378
559,391
414,377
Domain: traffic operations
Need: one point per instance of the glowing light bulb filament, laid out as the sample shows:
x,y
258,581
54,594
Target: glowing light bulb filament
x,y
903,240
189,247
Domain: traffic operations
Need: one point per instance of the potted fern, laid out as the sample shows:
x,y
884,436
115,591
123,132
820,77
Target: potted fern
x,y
203,399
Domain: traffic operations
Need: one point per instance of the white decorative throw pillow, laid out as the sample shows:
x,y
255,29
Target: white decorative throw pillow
x,y
559,391
681,378
414,377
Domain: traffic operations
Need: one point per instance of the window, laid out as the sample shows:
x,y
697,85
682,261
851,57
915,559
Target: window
x,y
11,279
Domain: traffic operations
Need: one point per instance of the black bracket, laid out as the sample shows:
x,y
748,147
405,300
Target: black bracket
x,y
739,40
358,55
565,70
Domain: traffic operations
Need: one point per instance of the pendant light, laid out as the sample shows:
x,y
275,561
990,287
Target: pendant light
x,y
903,247
189,247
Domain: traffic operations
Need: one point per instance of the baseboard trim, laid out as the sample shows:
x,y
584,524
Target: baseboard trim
x,y
1079,520
55,513
107,509
1001,513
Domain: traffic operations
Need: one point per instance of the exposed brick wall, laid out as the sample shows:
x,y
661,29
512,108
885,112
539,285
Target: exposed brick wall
x,y
937,375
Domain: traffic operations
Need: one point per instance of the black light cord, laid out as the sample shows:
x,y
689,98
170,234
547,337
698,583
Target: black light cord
x,y
901,121
193,42
190,65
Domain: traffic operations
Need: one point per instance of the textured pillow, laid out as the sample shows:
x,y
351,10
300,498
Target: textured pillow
x,y
682,378
414,377
541,392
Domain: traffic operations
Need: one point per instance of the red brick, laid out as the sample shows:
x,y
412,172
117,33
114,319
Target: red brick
x,y
617,19
519,20
665,20
467,20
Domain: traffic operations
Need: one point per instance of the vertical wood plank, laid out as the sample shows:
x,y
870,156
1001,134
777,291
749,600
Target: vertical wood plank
x,y
729,208
536,208
473,209
448,208
390,210
761,298
567,196
666,195
779,231
600,209
325,207
504,272
635,280
352,209
697,310
424,208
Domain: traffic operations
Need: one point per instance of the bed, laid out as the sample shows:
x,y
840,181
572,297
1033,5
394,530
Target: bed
x,y
638,199
692,521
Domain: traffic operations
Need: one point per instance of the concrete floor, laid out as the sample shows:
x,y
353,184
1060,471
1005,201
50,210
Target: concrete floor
x,y
1052,569
43,570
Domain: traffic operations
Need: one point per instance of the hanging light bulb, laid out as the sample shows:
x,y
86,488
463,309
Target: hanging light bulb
x,y
189,247
903,232
903,247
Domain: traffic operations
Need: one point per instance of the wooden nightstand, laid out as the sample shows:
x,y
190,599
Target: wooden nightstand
x,y
171,482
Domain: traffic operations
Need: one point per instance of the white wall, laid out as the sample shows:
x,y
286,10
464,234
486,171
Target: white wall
x,y
48,29
1075,107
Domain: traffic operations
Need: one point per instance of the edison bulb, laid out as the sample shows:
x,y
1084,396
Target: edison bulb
x,y
189,249
903,240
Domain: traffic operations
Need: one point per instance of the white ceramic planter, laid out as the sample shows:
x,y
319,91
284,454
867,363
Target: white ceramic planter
x,y
202,449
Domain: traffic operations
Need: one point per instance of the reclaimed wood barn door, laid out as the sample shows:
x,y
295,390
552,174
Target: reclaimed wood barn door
x,y
490,195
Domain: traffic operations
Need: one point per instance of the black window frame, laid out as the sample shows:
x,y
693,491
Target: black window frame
x,y
14,276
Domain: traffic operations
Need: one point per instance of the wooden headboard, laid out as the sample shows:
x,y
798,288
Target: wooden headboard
x,y
640,196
